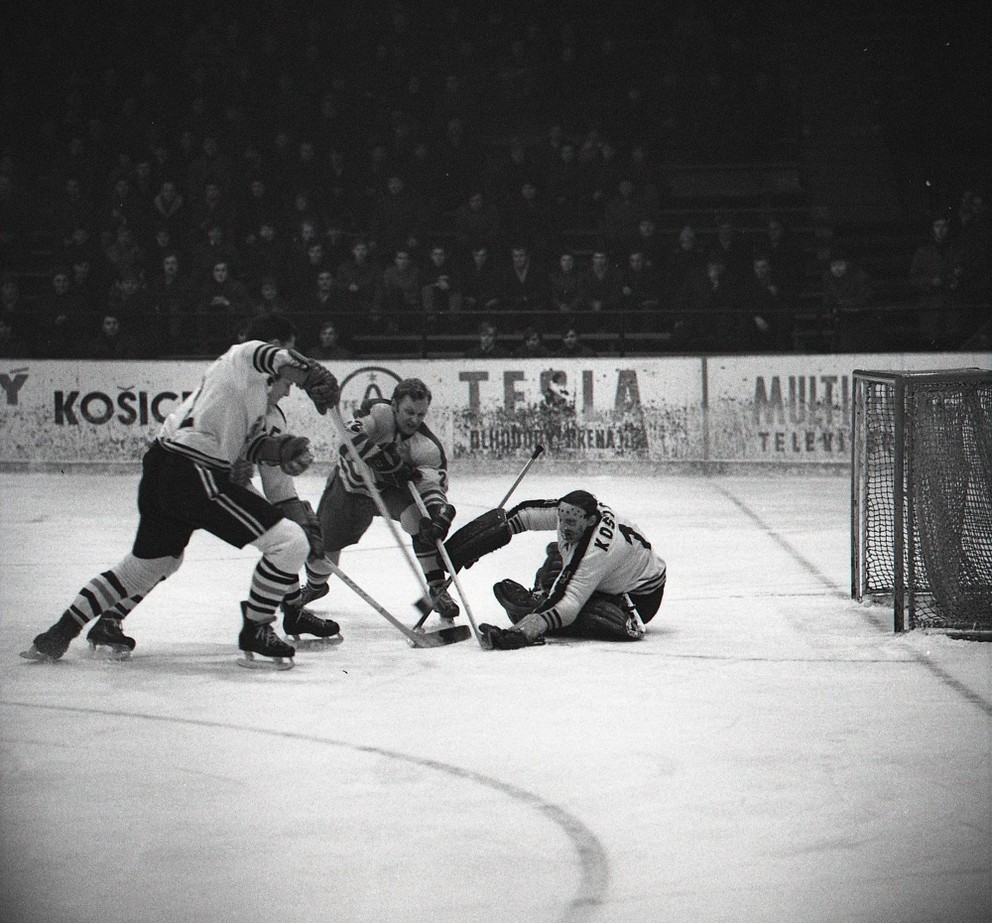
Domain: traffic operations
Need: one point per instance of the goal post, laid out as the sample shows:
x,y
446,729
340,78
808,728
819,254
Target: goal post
x,y
921,497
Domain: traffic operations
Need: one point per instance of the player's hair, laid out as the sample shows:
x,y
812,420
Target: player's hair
x,y
584,500
272,327
412,388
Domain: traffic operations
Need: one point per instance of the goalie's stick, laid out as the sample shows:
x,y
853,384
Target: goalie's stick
x,y
416,638
425,611
369,479
441,550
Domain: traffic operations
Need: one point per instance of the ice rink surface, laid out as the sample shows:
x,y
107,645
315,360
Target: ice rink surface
x,y
770,752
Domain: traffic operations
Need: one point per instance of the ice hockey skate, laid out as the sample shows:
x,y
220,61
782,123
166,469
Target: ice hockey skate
x,y
505,639
311,593
260,638
107,634
50,645
298,621
441,602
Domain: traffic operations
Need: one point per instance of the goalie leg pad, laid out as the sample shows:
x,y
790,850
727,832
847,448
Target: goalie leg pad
x,y
479,537
607,618
517,600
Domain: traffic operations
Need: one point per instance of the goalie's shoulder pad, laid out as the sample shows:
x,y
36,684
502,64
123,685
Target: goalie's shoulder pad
x,y
479,537
606,618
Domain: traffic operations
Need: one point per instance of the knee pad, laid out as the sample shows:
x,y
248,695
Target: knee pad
x,y
139,575
285,545
607,618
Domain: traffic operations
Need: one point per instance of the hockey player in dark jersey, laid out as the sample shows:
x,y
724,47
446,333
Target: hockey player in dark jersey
x,y
186,485
398,447
601,579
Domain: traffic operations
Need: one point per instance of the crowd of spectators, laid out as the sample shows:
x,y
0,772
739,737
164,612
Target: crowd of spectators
x,y
389,169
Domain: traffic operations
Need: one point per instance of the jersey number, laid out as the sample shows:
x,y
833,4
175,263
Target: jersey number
x,y
631,536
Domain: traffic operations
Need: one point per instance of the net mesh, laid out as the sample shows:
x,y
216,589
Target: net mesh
x,y
946,449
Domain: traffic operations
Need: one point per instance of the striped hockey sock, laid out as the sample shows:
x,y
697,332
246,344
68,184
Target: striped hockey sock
x,y
269,586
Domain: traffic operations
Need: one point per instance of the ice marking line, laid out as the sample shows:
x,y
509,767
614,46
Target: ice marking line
x,y
968,694
805,563
594,868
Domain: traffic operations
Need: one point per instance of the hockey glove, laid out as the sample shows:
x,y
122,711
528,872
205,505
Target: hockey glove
x,y
435,527
321,386
290,453
301,512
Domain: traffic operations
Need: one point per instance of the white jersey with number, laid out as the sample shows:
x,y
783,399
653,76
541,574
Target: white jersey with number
x,y
227,410
613,557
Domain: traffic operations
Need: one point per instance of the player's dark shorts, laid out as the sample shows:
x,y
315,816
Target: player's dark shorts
x,y
177,496
648,604
345,517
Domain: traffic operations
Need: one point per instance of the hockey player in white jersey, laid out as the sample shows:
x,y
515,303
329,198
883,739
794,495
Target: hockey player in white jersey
x,y
602,579
186,485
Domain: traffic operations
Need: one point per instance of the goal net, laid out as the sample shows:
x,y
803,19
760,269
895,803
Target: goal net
x,y
921,497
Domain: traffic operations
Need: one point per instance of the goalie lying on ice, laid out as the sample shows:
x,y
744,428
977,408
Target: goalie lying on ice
x,y
601,578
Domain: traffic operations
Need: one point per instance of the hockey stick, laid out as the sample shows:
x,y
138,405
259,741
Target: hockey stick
x,y
369,479
441,550
426,611
416,638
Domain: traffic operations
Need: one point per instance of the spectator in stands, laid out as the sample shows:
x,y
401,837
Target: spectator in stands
x,y
210,166
264,253
123,254
213,209
270,300
516,167
441,294
258,207
557,397
112,342
686,264
846,303
85,284
73,209
328,346
306,267
572,345
600,292
528,220
970,228
706,310
168,210
398,219
488,346
476,223
566,285
640,294
171,304
621,216
522,288
460,162
12,344
532,345
652,245
221,306
213,249
766,316
479,282
785,258
397,305
569,188
730,248
935,272
355,282
63,320
321,301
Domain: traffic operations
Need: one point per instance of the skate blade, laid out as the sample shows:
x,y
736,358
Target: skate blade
x,y
109,652
36,656
315,644
249,662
